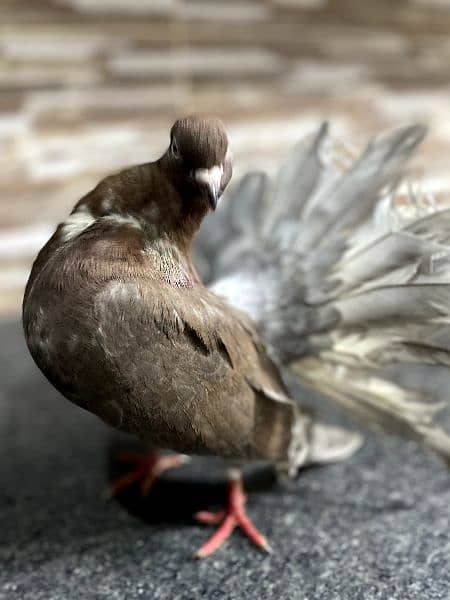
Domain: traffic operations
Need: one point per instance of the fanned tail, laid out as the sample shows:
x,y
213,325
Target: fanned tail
x,y
346,275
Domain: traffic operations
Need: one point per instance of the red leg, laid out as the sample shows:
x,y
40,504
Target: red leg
x,y
230,518
147,469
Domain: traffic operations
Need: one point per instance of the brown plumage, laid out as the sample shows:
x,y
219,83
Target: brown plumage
x,y
329,278
117,319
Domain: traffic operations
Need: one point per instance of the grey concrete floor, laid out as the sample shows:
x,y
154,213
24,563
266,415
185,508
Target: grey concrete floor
x,y
376,526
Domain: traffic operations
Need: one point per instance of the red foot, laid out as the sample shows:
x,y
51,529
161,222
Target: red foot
x,y
230,518
148,468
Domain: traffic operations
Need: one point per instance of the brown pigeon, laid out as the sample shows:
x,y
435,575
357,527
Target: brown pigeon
x,y
315,271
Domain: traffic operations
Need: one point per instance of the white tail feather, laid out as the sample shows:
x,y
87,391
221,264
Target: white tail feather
x,y
345,280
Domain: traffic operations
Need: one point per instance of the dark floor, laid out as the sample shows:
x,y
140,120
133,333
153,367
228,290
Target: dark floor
x,y
376,526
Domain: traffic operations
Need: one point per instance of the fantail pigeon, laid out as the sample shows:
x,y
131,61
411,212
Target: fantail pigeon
x,y
314,270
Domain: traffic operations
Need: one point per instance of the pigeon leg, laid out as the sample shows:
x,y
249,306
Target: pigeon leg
x,y
146,470
228,519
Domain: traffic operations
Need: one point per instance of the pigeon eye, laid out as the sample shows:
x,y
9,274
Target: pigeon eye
x,y
175,150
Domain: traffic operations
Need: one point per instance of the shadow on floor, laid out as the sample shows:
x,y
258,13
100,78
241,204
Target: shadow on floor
x,y
179,494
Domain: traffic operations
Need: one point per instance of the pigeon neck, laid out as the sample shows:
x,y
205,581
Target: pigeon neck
x,y
156,196
180,216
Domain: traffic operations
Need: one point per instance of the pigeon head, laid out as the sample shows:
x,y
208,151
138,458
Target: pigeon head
x,y
199,152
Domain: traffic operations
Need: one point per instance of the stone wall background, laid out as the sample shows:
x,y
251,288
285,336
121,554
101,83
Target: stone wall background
x,y
89,86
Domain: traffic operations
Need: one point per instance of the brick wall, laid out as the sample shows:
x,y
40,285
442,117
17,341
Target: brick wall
x,y
88,86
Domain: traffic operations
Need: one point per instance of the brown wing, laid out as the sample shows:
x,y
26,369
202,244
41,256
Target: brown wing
x,y
172,366
180,389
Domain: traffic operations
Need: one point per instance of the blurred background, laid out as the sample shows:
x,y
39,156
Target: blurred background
x,y
90,86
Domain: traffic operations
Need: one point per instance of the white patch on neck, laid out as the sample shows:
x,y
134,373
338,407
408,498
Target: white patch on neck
x,y
119,219
79,221
75,224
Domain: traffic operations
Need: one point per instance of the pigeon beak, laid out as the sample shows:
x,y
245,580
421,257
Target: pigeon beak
x,y
213,197
211,179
